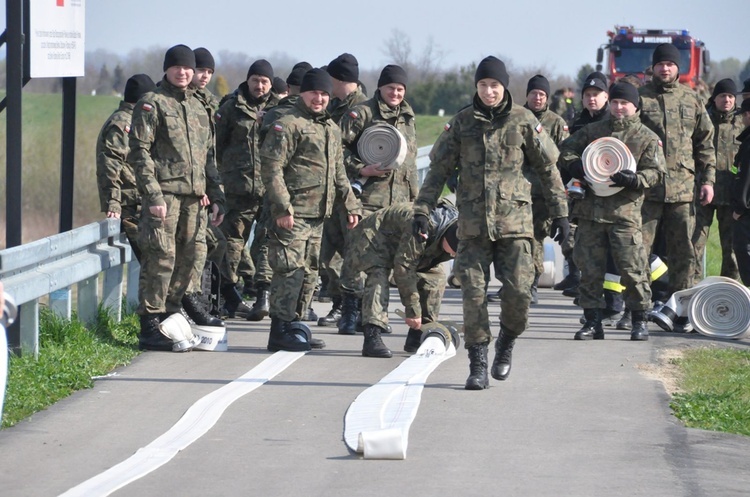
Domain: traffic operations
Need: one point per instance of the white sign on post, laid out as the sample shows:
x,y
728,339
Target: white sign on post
x,y
57,38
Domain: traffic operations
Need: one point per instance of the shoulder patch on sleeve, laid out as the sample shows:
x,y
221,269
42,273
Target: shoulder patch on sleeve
x,y
278,127
147,107
538,128
127,128
353,114
565,128
217,117
447,126
660,143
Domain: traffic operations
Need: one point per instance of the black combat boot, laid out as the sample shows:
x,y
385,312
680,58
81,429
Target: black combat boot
x,y
626,322
262,305
592,328
477,379
503,355
640,326
281,338
309,315
350,314
233,303
573,279
413,340
374,346
195,311
332,318
150,337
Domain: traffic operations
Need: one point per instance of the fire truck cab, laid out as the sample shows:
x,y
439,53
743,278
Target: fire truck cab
x,y
629,51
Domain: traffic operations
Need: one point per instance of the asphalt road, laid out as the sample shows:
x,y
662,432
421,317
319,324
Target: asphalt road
x,y
574,419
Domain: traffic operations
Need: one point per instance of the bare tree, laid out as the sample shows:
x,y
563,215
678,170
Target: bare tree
x,y
398,49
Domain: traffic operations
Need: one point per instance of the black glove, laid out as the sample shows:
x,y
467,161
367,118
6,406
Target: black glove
x,y
625,178
559,229
576,169
452,181
420,227
222,210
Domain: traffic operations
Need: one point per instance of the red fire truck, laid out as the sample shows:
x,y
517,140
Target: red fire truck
x,y
629,51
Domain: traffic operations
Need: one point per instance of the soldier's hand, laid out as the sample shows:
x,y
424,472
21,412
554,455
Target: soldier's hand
x,y
414,323
204,201
372,170
576,169
217,214
625,179
352,221
420,226
707,194
286,222
159,211
559,229
115,215
452,181
736,215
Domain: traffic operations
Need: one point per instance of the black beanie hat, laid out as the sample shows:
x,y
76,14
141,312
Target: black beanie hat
x,y
179,55
624,91
745,107
538,82
492,67
344,68
665,52
451,236
746,86
298,72
137,86
260,67
392,74
279,85
317,80
724,86
595,80
204,59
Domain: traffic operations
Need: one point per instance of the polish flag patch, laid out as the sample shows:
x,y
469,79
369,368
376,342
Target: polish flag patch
x,y
217,117
127,129
278,127
538,127
660,143
147,107
565,128
353,114
447,126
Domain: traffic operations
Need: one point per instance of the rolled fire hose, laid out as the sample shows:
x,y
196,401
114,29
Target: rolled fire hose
x,y
601,159
8,313
177,328
377,422
382,144
717,307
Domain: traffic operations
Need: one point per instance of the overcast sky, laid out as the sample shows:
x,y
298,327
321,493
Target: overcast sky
x,y
558,35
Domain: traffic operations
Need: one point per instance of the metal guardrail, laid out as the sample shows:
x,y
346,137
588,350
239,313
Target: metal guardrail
x,y
51,266
423,162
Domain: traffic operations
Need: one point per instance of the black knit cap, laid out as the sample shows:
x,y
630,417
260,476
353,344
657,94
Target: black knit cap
x,y
451,236
204,59
595,80
317,80
746,86
538,82
344,68
724,86
492,67
260,67
666,52
745,107
298,72
623,90
279,85
179,55
137,86
392,74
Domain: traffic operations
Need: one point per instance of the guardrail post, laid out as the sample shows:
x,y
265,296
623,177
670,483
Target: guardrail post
x,y
88,299
134,271
60,302
30,328
112,292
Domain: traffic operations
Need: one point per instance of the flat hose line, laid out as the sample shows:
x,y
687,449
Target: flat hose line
x,y
382,144
601,159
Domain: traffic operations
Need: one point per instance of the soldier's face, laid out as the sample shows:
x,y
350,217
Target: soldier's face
x,y
180,76
724,102
315,100
536,100
594,99
258,85
202,77
393,94
490,91
666,71
620,108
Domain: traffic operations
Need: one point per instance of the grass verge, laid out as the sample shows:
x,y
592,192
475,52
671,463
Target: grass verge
x,y
714,389
69,356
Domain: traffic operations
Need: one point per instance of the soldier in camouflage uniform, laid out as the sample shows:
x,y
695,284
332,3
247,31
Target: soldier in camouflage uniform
x,y
727,126
384,242
612,224
118,192
347,93
677,115
378,188
741,195
170,150
303,172
490,141
238,122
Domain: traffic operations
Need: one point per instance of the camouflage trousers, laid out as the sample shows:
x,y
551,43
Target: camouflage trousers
x,y
333,248
293,256
677,223
129,218
595,243
514,264
259,250
376,295
542,224
162,282
741,242
351,278
213,248
704,217
242,212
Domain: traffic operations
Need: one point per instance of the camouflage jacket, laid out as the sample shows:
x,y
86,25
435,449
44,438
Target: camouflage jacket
x,y
586,117
115,177
273,113
727,128
624,207
675,113
170,146
741,170
211,104
339,108
557,129
401,185
384,239
238,141
490,147
302,166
